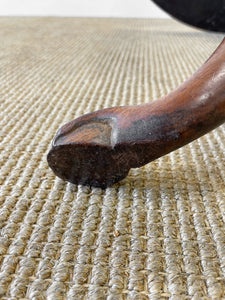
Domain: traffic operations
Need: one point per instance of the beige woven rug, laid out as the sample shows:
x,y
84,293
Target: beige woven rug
x,y
159,233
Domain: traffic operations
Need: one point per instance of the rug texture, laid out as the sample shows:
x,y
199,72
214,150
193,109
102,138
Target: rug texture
x,y
159,233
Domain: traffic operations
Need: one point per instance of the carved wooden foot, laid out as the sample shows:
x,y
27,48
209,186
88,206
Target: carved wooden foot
x,y
99,148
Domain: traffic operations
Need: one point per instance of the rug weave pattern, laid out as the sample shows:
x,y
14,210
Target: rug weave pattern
x,y
158,234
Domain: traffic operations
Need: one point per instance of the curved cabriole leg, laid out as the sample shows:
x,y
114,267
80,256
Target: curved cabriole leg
x,y
99,148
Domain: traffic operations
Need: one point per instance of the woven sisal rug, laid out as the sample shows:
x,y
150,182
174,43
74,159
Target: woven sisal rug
x,y
159,233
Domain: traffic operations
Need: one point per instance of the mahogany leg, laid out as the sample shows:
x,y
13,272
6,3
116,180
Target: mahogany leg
x,y
99,148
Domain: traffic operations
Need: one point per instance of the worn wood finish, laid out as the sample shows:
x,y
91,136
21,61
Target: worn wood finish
x,y
99,148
